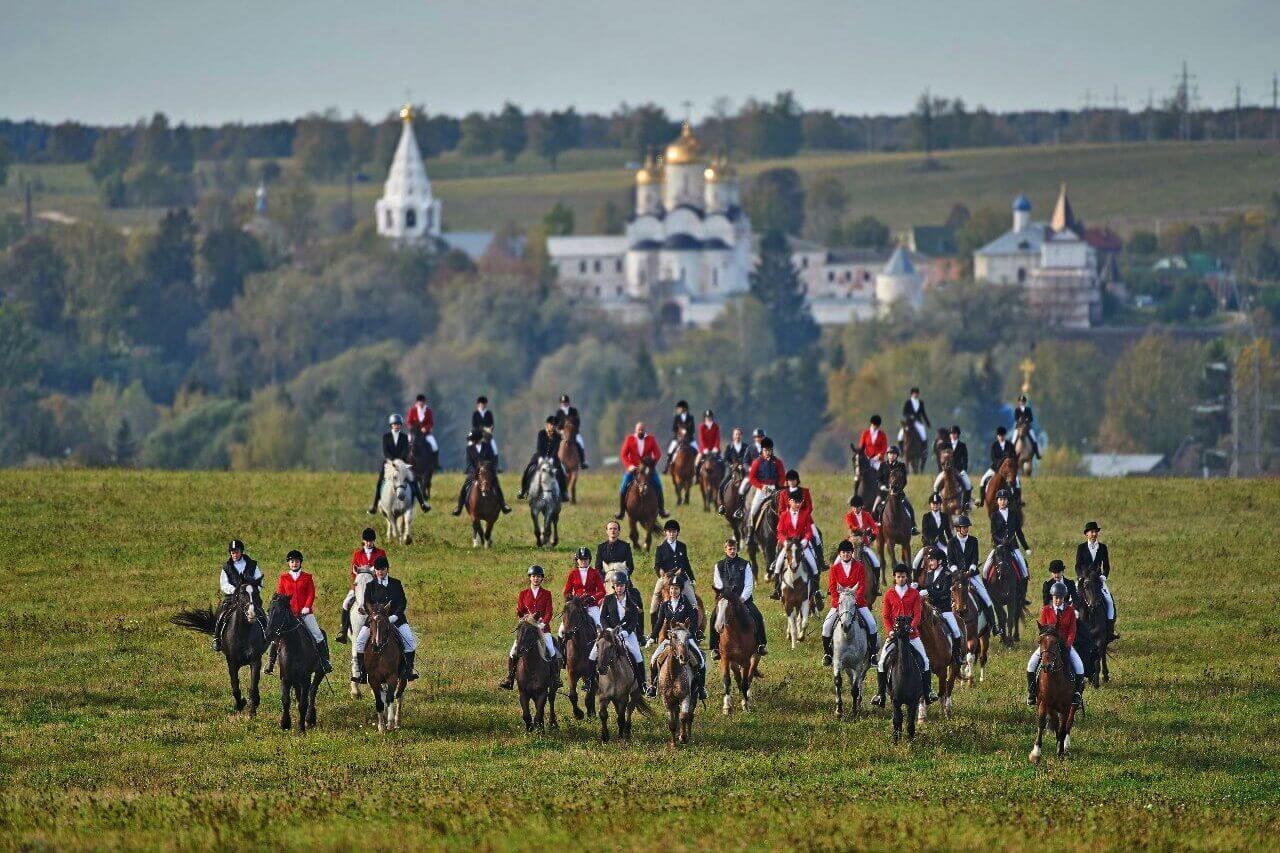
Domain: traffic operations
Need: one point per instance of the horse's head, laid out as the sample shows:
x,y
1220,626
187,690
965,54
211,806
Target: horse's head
x,y
895,481
607,647
902,628
1090,587
485,476
847,609
959,595
944,458
379,623
1050,642
678,635
547,465
279,615
243,601
1009,471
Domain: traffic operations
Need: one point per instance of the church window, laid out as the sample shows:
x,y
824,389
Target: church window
x,y
582,267
596,266
391,220
831,275
1022,275
410,218
617,265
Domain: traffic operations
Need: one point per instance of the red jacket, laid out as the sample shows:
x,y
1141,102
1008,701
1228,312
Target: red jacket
x,y
1065,622
539,607
873,447
780,473
426,421
906,605
802,529
360,561
594,587
301,592
784,502
855,578
861,524
633,453
708,437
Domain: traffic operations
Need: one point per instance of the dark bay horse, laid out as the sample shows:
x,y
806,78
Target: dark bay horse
x,y
952,489
535,677
682,464
709,477
579,637
1093,615
1006,590
243,639
483,506
735,501
616,685
977,639
904,680
1055,686
423,462
300,668
642,506
383,658
739,654
914,451
895,526
762,537
865,481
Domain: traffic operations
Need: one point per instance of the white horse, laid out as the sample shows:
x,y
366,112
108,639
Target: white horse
x,y
358,620
544,503
849,653
396,500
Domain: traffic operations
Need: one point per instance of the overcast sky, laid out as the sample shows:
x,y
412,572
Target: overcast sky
x,y
110,62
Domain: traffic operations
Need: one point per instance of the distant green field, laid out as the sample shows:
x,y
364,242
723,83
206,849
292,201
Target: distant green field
x,y
115,731
1125,186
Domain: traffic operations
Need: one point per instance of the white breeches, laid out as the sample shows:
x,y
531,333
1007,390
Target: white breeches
x,y
915,644
578,438
964,479
493,444
406,637
1106,593
435,446
756,500
990,472
313,626
981,589
593,612
808,558
919,425
1076,663
874,462
547,640
833,616
746,484
349,600
1017,558
689,644
633,646
950,619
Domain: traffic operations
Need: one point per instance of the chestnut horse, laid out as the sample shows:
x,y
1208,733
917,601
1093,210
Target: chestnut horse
x,y
682,465
675,683
895,526
709,477
382,662
977,633
952,489
1005,478
642,507
1022,444
739,654
734,501
569,457
1055,685
579,637
483,506
937,644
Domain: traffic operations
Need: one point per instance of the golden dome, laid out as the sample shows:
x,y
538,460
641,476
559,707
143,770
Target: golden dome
x,y
719,170
649,173
686,149
406,112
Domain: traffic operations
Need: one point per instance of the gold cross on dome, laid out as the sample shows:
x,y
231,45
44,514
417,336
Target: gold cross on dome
x,y
1028,367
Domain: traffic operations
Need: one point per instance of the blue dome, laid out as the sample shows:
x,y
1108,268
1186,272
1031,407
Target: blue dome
x,y
1022,203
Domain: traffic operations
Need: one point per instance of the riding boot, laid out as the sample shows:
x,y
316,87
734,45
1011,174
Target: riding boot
x,y
638,667
346,625
653,681
462,498
323,647
874,645
700,684
357,670
510,681
662,504
882,682
1077,698
217,644
410,674
417,493
666,464
826,651
1032,689
377,493
582,458
776,595
926,687
990,613
1111,631
622,506
715,641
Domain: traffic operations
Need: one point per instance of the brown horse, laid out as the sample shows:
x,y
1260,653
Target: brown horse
x,y
682,465
762,537
483,506
660,595
569,457
797,589
1093,613
1006,590
642,506
1005,478
1025,449
710,474
735,502
977,640
579,637
952,491
739,654
895,526
535,676
914,451
422,461
675,683
940,443
865,481
616,684
382,661
1055,687
937,644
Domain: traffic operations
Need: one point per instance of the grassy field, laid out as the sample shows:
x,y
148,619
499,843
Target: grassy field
x,y
115,727
1125,186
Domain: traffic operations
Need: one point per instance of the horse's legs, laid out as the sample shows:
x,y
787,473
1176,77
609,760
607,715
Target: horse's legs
x,y
540,705
302,690
573,697
285,722
1035,750
525,714
379,704
311,698
1106,673
234,672
537,533
488,534
728,684
604,721
897,721
476,536
255,678
839,682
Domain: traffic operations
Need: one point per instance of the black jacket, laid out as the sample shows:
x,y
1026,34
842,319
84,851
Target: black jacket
x,y
477,456
1007,532
482,421
921,415
376,593
253,577
935,532
1071,590
733,576
1023,414
572,415
678,611
690,426
548,445
618,552
963,557
731,456
886,468
959,455
1101,563
632,622
665,560
938,588
998,455
751,454
395,447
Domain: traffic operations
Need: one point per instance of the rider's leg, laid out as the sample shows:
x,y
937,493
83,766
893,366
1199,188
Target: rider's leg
x,y
761,639
911,514
497,487
671,449
357,659
882,678
937,481
1077,667
968,486
871,556
986,564
662,500
346,615
462,495
416,492
926,677
1022,563
622,493
582,451
637,658
526,476
410,651
828,629
984,601
322,642
1032,665
510,681
594,613
377,491
986,478
811,560
874,635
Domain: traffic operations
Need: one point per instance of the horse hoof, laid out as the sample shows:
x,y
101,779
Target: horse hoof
x,y
1034,757
577,714
408,540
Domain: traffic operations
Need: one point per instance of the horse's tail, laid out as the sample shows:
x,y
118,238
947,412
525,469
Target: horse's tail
x,y
201,619
638,704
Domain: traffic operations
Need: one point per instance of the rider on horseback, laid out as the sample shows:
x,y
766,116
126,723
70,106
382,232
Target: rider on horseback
x,y
301,589
733,576
962,556
676,608
1063,618
862,527
569,414
847,573
584,581
914,414
395,446
671,558
239,570
873,443
381,590
793,483
620,612
959,463
1091,555
937,586
1022,414
795,522
936,530
1001,449
902,599
1006,530
639,448
683,429
548,447
1056,569
893,465
482,420
766,472
708,440
536,602
361,561
421,419
479,453
734,453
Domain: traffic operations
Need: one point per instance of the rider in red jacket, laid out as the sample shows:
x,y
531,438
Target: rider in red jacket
x,y
1062,617
902,599
640,448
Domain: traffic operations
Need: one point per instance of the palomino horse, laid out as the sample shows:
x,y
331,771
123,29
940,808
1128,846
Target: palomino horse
x,y
358,620
1006,590
734,502
1093,613
709,477
850,651
797,591
952,491
569,457
544,504
483,506
382,662
642,506
396,501
675,683
942,663
1055,687
762,536
682,464
1006,477
865,481
579,637
977,633
914,452
243,639
423,461
660,595
895,526
1025,450
905,683
616,684
739,654
535,676
300,667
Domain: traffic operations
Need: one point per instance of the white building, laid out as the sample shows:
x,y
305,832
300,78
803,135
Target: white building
x,y
407,210
899,282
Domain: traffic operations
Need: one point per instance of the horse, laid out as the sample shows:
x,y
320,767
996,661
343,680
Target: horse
x,y
739,654
1054,689
865,481
660,595
1006,477
544,504
895,525
1025,449
579,637
483,506
850,651
735,501
642,506
952,491
914,451
300,669
675,683
396,501
358,619
1093,613
977,633
243,639
797,591
762,537
1007,593
905,682
710,474
682,465
535,676
616,684
383,657
937,644
422,461
569,458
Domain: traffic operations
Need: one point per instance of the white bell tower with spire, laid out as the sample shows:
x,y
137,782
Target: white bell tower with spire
x,y
407,210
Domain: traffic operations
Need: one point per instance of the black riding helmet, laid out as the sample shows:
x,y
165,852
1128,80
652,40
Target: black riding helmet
x,y
766,443
295,554
845,547
672,524
535,571
582,553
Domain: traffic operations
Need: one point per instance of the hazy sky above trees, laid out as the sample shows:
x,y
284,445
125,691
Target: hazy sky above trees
x,y
234,59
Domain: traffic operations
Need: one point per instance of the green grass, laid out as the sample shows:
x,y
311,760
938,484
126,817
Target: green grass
x,y
115,727
1125,186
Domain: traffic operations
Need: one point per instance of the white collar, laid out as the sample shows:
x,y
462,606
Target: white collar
x,y
420,406
240,563
368,549
900,590
297,574
1004,513
672,543
534,590
937,515
961,539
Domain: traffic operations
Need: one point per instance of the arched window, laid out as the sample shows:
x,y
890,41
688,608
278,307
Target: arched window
x,y
430,216
1022,275
670,314
391,220
411,218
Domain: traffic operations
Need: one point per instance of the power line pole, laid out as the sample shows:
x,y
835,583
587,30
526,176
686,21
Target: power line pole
x,y
1237,111
1115,113
1275,106
1182,102
1084,113
1151,116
